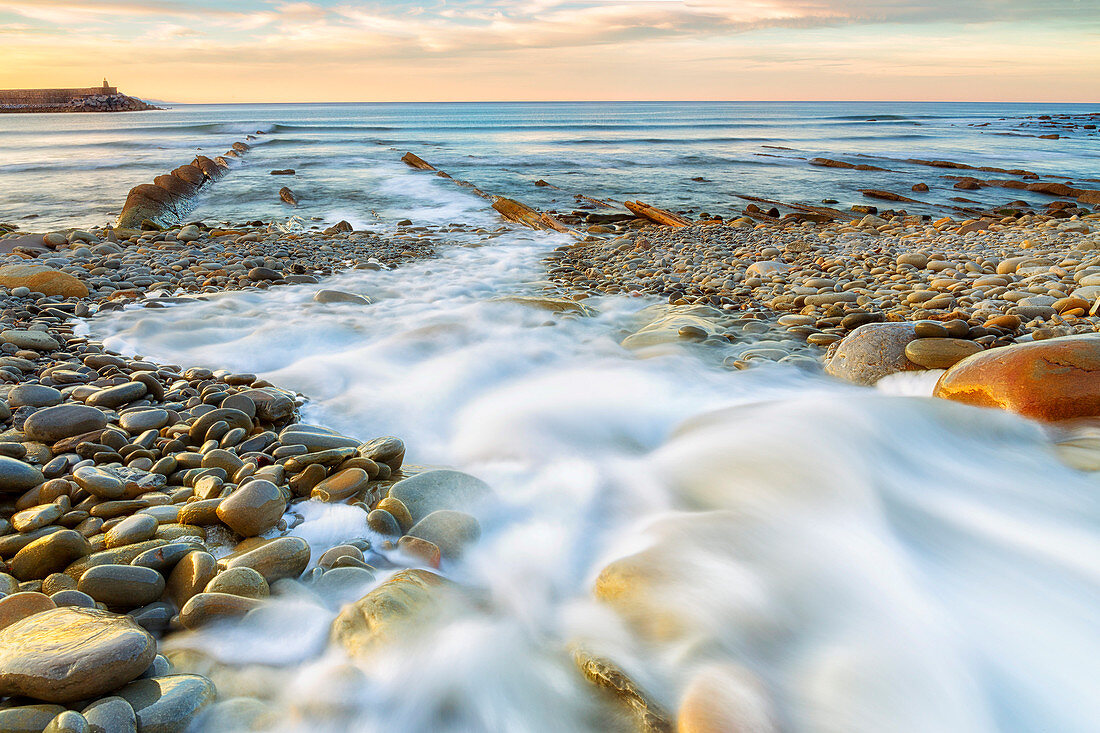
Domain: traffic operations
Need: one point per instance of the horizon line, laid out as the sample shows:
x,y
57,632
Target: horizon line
x,y
640,101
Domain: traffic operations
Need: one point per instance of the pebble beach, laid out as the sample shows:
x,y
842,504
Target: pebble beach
x,y
151,510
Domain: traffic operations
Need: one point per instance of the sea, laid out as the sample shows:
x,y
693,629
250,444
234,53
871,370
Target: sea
x,y
67,170
843,559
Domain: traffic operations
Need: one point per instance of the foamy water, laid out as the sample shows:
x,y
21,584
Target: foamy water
x,y
877,561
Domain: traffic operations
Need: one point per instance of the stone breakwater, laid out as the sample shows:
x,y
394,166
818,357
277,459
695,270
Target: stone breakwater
x,y
91,103
139,499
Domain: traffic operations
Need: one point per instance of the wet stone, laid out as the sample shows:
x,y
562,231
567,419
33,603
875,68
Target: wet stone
x,y
69,654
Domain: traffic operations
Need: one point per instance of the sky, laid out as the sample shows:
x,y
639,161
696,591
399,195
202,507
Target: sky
x,y
489,50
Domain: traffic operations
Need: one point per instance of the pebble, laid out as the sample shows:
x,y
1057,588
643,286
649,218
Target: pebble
x,y
253,508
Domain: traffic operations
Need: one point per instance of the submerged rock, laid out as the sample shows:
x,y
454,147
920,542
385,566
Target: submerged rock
x,y
441,489
405,603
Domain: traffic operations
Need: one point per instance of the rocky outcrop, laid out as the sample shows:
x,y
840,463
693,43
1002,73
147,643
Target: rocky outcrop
x,y
170,197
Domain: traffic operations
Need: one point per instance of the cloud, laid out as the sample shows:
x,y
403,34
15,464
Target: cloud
x,y
374,44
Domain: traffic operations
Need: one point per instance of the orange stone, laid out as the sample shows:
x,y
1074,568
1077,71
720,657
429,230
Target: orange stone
x,y
1053,379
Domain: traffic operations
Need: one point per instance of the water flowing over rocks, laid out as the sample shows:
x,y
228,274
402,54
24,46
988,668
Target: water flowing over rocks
x,y
190,510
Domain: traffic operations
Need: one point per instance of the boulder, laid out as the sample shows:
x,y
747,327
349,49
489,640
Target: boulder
x,y
146,202
43,280
1053,379
67,654
871,352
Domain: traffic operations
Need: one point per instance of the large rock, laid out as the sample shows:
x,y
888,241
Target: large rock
x,y
1054,379
42,280
146,201
430,491
63,421
69,654
871,352
403,604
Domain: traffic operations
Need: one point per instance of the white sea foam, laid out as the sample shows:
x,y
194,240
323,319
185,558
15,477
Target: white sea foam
x,y
878,561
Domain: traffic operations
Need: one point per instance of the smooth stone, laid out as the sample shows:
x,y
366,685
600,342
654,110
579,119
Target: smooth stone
x,y
18,606
382,522
99,482
283,557
402,606
1052,379
138,528
68,654
270,404
139,421
204,608
40,279
240,581
397,509
123,586
168,704
36,517
725,697
69,721
450,531
110,715
164,558
253,508
338,296
427,492
49,554
387,449
190,576
940,353
72,597
114,556
52,424
17,476
331,556
28,718
343,583
315,441
34,395
872,352
118,396
342,485
33,340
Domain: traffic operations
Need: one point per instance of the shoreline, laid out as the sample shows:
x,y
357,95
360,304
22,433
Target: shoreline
x,y
160,492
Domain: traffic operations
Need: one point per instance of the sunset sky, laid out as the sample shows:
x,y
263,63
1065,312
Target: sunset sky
x,y
435,50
